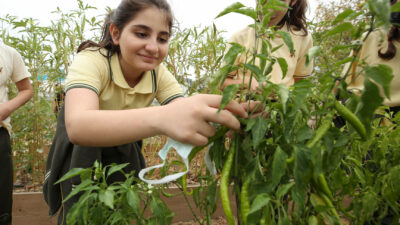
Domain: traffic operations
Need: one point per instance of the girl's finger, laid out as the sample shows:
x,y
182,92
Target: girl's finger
x,y
234,107
198,140
206,129
224,117
253,106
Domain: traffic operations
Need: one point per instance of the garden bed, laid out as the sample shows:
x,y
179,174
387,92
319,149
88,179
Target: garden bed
x,y
30,208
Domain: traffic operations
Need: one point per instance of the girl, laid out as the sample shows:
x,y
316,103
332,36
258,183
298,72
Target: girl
x,y
108,90
291,20
380,47
12,67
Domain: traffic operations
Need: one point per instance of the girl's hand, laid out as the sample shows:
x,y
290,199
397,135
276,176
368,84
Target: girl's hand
x,y
188,119
254,108
243,84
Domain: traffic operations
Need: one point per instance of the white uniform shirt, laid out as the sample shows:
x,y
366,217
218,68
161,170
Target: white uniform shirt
x,y
11,67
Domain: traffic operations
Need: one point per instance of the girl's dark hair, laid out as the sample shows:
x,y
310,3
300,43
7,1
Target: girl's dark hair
x,y
123,14
393,35
295,18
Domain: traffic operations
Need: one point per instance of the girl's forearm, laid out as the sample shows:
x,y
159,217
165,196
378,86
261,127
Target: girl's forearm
x,y
113,127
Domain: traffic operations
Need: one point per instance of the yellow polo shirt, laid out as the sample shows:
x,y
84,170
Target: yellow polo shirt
x,y
91,69
369,53
296,62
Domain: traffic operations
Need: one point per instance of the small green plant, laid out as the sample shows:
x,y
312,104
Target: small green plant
x,y
117,203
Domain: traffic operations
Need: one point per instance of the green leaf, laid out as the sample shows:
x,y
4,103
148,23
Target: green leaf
x,y
211,195
116,168
304,133
343,15
284,66
133,200
250,124
78,189
238,7
370,101
339,29
284,189
254,69
288,40
232,53
107,197
284,221
381,74
161,211
259,202
283,95
268,70
312,52
72,173
258,131
277,5
302,173
344,61
228,94
396,7
381,9
278,166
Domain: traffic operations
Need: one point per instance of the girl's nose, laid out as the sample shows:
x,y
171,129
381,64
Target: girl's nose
x,y
152,46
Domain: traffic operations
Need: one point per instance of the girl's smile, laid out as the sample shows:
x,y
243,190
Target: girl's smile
x,y
143,43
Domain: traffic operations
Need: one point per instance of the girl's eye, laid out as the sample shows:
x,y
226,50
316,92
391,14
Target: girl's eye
x,y
163,40
141,35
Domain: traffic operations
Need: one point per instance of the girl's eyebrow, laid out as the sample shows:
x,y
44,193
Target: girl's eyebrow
x,y
147,28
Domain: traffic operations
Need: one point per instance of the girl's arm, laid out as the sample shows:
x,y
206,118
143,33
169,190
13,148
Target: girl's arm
x,y
243,84
25,92
186,120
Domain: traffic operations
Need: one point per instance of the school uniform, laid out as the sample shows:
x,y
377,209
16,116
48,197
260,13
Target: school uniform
x,y
94,70
369,54
296,62
11,67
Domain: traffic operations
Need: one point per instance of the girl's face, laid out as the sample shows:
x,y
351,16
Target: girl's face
x,y
143,42
278,15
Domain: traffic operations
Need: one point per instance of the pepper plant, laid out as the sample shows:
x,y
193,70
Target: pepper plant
x,y
278,164
283,169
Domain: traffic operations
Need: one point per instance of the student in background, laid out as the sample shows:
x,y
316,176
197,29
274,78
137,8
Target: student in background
x,y
12,68
293,21
58,98
380,47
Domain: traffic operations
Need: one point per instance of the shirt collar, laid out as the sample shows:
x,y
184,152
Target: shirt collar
x,y
146,85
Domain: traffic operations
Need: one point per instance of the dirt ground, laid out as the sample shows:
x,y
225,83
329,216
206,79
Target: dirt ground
x,y
217,221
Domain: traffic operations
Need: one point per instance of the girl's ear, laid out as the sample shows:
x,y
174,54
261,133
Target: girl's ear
x,y
114,31
293,2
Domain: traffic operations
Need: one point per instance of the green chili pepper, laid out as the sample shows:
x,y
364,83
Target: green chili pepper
x,y
166,194
224,186
352,119
184,186
329,203
324,186
245,203
320,133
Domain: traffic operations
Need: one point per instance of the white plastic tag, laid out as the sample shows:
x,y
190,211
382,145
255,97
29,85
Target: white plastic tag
x,y
184,151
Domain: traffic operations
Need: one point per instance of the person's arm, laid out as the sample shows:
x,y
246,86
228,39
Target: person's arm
x,y
185,120
25,92
302,70
243,84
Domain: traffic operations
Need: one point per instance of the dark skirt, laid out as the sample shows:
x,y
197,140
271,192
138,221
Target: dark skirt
x,y
64,156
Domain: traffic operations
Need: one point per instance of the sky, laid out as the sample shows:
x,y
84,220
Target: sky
x,y
188,13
